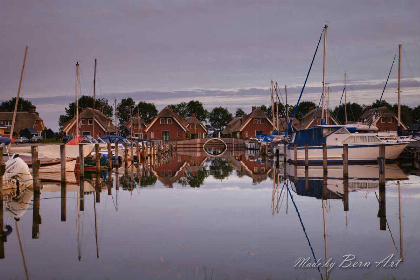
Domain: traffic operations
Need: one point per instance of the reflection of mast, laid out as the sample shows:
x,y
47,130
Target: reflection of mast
x,y
96,230
325,237
21,250
78,227
400,218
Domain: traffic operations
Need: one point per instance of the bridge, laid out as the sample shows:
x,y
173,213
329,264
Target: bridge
x,y
194,144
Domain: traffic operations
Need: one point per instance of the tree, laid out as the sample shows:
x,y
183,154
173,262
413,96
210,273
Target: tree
x,y
187,109
146,110
219,118
239,112
23,105
354,112
220,168
85,102
416,114
123,110
304,108
406,113
381,103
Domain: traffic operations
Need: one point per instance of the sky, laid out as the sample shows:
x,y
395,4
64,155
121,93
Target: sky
x,y
221,52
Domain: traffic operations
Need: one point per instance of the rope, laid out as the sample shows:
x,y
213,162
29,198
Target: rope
x,y
387,79
304,84
303,227
341,99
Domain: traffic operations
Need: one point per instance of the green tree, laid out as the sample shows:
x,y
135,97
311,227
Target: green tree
x,y
354,112
23,105
84,102
416,114
219,118
381,103
220,168
146,110
187,109
239,112
406,113
304,108
123,110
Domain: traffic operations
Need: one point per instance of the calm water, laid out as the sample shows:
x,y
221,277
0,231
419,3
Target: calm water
x,y
195,217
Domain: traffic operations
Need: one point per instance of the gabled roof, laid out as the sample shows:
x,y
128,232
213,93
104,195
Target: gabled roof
x,y
372,115
239,123
309,118
168,113
194,120
136,121
23,119
100,118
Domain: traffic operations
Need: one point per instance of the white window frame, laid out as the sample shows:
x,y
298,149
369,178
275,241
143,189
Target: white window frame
x,y
178,133
83,121
246,134
256,121
262,121
255,169
390,120
162,120
169,121
382,120
152,135
90,121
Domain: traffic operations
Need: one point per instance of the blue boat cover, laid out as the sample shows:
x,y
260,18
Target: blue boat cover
x,y
313,136
5,140
113,138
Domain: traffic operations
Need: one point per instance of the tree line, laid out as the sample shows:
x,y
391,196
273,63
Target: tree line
x,y
217,118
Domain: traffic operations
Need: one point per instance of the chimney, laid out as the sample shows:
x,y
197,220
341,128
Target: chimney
x,y
253,108
32,110
193,115
99,109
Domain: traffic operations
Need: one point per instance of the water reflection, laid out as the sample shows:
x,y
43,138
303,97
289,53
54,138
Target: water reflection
x,y
305,203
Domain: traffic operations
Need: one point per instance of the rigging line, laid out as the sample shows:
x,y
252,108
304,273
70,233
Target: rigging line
x,y
341,99
317,109
304,84
387,79
392,237
103,219
303,227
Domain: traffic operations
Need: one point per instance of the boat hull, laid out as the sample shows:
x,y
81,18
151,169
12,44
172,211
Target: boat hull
x,y
357,153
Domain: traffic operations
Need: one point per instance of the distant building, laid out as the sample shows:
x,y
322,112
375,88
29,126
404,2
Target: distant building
x,y
23,120
383,118
137,126
313,118
103,125
195,128
252,168
2,129
249,126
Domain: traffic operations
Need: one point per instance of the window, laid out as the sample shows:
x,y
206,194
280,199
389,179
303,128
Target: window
x,y
152,135
382,120
90,121
179,134
165,135
256,121
162,121
145,136
255,169
170,173
390,120
169,121
246,134
258,132
262,121
162,173
83,121
179,159
262,169
86,133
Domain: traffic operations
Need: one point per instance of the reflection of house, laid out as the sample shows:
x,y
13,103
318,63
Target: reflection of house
x,y
23,120
88,120
252,168
195,128
313,118
168,125
383,118
170,172
137,126
249,126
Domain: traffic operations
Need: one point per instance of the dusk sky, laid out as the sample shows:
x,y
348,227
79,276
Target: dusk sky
x,y
221,52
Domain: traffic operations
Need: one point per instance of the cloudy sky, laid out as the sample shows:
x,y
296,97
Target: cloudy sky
x,y
221,52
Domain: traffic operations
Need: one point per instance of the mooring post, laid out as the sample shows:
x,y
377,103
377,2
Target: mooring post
x,y
63,202
35,168
277,157
346,194
116,155
416,159
109,183
81,161
36,218
98,158
382,163
63,162
382,205
295,154
324,157
285,154
125,156
2,235
345,161
98,188
109,157
306,155
82,195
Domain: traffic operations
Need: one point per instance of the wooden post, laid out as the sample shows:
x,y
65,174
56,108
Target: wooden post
x,y
382,163
109,183
63,162
98,188
36,218
109,157
81,161
35,168
2,235
82,195
98,158
306,155
324,157
382,205
116,155
63,202
346,194
295,154
285,154
125,156
345,161
277,157
416,159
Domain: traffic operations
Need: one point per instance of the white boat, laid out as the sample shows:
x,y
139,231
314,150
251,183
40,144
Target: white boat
x,y
362,147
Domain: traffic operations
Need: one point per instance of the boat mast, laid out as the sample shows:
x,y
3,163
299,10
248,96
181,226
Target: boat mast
x,y
77,100
115,115
277,108
18,93
399,87
323,72
94,100
272,104
287,105
345,97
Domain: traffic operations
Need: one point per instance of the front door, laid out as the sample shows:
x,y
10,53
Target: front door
x,y
165,135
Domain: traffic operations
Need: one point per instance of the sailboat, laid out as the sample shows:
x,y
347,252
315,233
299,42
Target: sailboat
x,y
361,147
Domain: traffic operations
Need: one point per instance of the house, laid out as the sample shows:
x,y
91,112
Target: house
x,y
23,120
313,118
28,132
249,126
413,129
195,128
168,125
254,169
383,118
137,125
2,129
171,171
90,120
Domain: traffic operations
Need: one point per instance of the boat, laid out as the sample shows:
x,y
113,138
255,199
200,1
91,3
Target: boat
x,y
17,174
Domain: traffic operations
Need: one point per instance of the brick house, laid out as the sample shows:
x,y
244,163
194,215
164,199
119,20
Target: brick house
x,y
249,126
383,118
137,126
24,120
90,119
170,126
170,172
310,120
195,128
